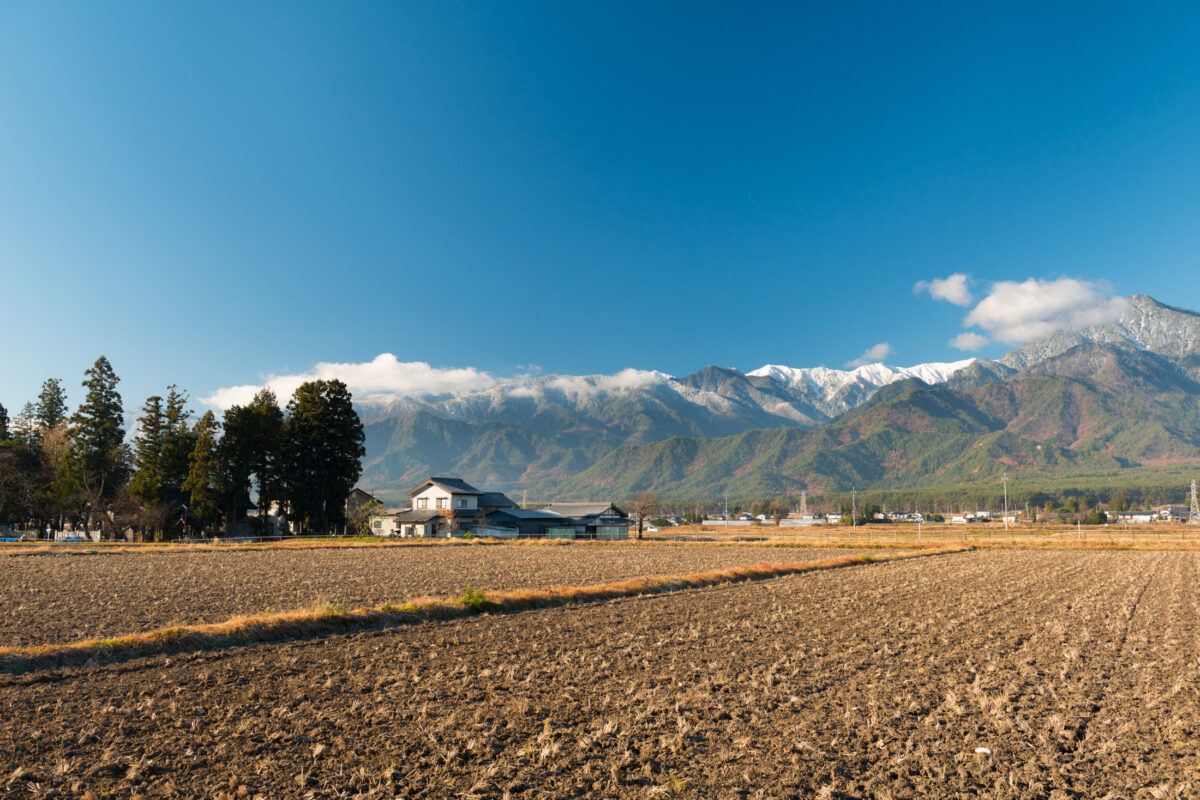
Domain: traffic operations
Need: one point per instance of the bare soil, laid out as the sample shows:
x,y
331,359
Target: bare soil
x,y
1000,674
56,597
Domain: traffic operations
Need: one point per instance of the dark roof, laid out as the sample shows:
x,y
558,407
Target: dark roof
x,y
358,497
525,513
415,516
585,510
452,485
496,500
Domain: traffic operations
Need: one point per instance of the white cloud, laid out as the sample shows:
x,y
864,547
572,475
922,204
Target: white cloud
x,y
383,378
1017,312
952,289
871,355
596,384
969,340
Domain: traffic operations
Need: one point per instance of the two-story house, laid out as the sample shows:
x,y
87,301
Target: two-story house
x,y
440,506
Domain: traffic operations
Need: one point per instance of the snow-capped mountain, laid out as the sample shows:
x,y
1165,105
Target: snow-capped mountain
x,y
540,431
835,391
565,422
1145,324
703,403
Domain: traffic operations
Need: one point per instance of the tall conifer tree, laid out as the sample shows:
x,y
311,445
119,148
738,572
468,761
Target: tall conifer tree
x,y
147,481
323,446
51,409
178,439
203,482
97,458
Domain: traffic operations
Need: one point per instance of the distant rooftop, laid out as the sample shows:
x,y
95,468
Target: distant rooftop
x,y
452,485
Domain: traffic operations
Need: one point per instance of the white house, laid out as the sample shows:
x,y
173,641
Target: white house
x,y
442,507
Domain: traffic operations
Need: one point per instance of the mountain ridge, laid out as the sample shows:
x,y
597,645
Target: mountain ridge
x,y
1102,398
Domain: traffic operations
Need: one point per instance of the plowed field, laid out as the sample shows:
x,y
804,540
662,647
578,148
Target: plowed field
x,y
48,598
1002,674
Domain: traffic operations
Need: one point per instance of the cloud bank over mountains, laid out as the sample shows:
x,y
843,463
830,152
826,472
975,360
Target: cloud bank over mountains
x,y
1012,312
1015,312
386,378
376,381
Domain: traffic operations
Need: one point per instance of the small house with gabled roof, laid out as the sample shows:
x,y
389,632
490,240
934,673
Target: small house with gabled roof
x,y
443,506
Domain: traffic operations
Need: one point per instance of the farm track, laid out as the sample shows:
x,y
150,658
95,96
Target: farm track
x,y
1002,674
53,598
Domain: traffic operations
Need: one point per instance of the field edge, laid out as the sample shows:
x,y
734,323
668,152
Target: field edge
x,y
332,620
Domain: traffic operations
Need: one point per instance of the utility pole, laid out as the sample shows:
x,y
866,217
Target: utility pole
x,y
1194,514
1006,501
853,510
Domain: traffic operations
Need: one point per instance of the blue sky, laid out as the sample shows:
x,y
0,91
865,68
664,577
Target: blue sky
x,y
210,193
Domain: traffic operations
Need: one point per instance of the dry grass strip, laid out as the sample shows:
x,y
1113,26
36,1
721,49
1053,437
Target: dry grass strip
x,y
331,620
107,548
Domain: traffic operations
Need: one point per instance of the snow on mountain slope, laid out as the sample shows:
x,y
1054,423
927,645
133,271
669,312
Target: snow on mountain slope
x,y
1146,324
835,391
645,405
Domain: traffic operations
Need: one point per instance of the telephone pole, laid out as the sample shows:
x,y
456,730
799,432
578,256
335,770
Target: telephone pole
x,y
1006,501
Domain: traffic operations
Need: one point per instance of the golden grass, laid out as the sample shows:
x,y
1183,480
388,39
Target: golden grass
x,y
106,548
330,620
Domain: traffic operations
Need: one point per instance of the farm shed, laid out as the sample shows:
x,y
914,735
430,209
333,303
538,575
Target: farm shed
x,y
594,520
529,523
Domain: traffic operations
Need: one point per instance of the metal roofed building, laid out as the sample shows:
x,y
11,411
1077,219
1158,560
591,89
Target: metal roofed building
x,y
511,523
597,520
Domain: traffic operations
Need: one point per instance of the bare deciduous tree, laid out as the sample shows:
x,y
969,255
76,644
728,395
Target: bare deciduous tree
x,y
645,505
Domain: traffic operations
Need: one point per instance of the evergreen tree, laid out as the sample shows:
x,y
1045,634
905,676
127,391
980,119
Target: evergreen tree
x,y
179,439
97,459
203,482
51,408
250,448
3,423
24,428
147,481
323,446
264,458
236,454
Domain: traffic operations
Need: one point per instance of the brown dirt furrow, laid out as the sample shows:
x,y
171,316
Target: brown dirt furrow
x,y
867,682
1145,732
63,598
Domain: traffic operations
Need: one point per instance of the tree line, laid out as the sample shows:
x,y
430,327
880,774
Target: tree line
x,y
177,476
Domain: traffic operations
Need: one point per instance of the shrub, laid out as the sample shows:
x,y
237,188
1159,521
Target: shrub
x,y
472,598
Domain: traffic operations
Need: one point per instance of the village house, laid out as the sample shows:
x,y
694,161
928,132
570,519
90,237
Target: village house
x,y
443,507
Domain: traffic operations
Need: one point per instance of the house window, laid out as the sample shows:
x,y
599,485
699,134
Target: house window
x,y
441,502
422,502
460,503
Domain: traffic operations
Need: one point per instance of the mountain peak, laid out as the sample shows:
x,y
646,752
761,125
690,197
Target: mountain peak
x,y
1146,324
